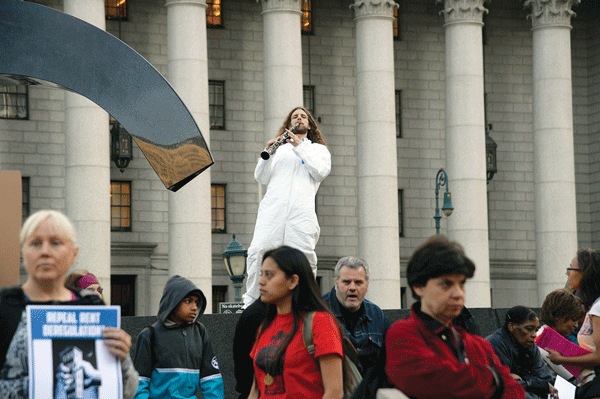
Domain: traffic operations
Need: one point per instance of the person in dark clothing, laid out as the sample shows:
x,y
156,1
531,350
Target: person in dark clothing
x,y
174,356
514,344
467,321
243,341
364,323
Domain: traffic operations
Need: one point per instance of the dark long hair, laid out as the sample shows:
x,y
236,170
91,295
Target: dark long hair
x,y
314,134
306,297
588,261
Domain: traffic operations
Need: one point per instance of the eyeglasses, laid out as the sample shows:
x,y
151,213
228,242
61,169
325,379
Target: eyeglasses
x,y
572,269
99,290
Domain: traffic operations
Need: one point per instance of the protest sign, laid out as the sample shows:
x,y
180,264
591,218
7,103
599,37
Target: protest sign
x,y
67,356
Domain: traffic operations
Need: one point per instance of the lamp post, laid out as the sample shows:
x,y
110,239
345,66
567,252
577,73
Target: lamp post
x,y
441,180
234,257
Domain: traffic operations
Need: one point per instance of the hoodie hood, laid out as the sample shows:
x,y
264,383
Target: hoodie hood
x,y
176,289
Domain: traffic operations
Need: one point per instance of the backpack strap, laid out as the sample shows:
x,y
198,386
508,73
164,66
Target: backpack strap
x,y
307,334
351,375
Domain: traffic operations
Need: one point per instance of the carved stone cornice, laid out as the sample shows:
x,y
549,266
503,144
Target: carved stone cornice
x,y
456,11
130,249
510,269
192,2
500,269
281,5
374,8
551,12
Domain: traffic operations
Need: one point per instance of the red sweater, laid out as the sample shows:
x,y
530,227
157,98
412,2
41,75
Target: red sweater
x,y
422,366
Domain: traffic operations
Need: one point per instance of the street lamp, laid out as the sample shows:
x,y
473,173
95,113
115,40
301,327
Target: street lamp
x,y
441,180
121,152
235,261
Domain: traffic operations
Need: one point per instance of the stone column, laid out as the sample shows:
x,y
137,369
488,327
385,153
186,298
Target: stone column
x,y
553,149
282,61
190,240
87,166
378,236
465,140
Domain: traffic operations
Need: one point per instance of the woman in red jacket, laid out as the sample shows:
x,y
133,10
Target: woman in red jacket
x,y
428,357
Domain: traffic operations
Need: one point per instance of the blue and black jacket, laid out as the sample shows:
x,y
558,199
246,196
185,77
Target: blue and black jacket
x,y
176,361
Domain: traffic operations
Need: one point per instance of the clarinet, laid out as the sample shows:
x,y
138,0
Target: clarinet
x,y
266,154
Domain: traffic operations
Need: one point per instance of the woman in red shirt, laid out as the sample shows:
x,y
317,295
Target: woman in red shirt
x,y
283,368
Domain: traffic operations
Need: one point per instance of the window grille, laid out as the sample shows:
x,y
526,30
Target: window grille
x,y
120,205
214,18
115,9
216,100
217,192
14,102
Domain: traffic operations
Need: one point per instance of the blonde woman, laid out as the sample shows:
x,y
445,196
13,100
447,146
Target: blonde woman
x,y
49,248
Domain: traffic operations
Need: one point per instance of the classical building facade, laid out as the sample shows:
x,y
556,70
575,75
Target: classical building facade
x,y
398,90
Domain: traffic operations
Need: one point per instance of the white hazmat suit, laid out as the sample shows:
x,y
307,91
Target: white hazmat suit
x,y
286,215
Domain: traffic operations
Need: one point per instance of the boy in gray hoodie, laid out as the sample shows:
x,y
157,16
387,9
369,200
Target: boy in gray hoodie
x,y
174,356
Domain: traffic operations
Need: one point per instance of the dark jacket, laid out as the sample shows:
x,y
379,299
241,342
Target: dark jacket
x,y
177,360
12,305
527,363
243,341
369,333
466,320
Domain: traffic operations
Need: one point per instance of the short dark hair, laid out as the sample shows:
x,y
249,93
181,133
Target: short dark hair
x,y
561,304
518,315
437,257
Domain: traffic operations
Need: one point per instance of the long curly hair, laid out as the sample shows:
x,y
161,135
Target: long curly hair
x,y
314,134
588,261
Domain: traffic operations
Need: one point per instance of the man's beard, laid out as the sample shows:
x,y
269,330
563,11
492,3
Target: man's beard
x,y
301,130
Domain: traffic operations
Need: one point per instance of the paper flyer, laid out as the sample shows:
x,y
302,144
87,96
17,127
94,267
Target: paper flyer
x,y
549,338
566,390
67,356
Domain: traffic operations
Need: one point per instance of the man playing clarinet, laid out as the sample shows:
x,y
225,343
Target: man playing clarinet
x,y
286,215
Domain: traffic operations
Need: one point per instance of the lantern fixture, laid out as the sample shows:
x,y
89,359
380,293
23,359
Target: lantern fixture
x,y
234,257
490,154
121,150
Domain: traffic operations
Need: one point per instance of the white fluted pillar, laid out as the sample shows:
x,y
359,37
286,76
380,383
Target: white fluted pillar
x,y
87,166
282,61
190,249
553,149
378,239
465,140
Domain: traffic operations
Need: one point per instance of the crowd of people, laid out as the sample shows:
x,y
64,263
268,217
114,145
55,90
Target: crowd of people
x,y
292,342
